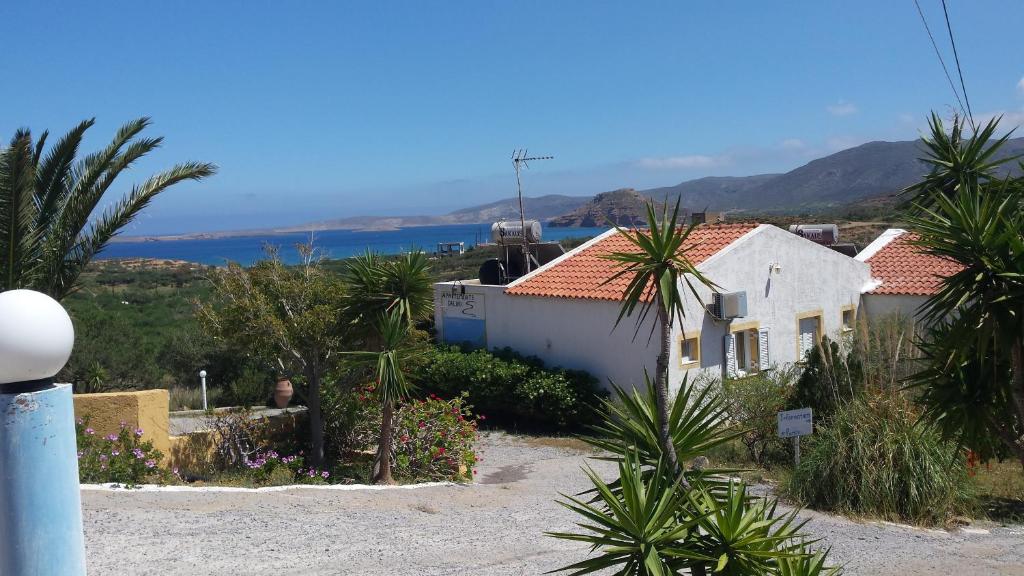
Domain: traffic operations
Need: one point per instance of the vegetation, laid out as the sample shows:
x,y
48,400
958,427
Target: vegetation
x,y
972,386
754,403
285,318
47,198
122,458
830,379
873,459
383,298
649,522
434,440
656,270
511,389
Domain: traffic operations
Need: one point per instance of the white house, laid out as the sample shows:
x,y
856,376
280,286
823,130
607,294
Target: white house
x,y
795,291
904,276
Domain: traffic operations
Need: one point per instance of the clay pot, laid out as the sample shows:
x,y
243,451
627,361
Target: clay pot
x,y
283,392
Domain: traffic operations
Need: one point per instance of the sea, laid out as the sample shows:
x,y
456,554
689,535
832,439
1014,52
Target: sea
x,y
334,244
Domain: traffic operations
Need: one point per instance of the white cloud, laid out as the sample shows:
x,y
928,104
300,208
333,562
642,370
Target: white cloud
x,y
792,144
1010,118
841,108
1020,85
691,161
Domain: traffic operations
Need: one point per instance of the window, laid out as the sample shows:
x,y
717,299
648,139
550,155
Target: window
x,y
808,333
849,318
746,350
689,349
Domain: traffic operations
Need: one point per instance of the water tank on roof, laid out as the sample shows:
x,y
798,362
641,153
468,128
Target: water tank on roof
x,y
512,232
826,234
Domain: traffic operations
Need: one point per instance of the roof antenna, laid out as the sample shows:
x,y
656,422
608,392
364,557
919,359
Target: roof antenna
x,y
521,159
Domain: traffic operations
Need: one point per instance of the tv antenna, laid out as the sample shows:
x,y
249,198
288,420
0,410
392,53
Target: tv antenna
x,y
521,159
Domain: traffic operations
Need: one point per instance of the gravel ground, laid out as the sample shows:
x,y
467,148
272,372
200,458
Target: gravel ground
x,y
494,527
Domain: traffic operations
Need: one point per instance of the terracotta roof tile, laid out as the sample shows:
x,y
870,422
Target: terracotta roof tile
x,y
905,270
581,275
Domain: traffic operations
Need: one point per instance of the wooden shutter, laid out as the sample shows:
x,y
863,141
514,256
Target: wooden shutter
x,y
730,356
762,349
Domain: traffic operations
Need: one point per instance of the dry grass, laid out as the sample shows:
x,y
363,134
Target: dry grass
x,y
1001,491
562,442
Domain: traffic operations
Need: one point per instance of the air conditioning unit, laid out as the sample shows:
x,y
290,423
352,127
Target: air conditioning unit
x,y
729,304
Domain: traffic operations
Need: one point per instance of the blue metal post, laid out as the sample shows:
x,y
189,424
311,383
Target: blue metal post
x,y
40,502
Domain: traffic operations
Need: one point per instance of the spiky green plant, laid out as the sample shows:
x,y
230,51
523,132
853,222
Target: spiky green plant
x,y
810,564
639,529
657,268
48,234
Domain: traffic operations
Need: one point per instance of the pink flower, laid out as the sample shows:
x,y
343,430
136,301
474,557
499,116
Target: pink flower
x,y
90,431
325,474
150,463
138,432
111,437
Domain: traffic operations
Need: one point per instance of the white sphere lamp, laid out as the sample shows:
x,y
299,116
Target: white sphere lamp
x,y
36,336
202,373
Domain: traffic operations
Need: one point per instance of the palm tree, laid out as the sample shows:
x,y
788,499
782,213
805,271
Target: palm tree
x,y
47,199
975,341
384,298
657,270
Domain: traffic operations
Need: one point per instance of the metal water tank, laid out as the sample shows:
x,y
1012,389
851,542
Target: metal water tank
x,y
820,233
512,232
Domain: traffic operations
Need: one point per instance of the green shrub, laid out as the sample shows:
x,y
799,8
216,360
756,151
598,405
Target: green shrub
x,y
832,377
122,458
874,459
753,404
351,421
513,389
250,388
434,440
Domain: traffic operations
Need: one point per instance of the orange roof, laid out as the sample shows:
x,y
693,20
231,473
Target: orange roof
x,y
905,270
581,274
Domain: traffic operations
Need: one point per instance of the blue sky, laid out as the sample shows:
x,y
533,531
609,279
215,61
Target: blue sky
x,y
317,110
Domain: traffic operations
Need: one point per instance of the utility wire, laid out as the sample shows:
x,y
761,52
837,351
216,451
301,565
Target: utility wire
x,y
963,88
939,54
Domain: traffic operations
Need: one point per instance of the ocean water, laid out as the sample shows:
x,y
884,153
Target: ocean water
x,y
333,243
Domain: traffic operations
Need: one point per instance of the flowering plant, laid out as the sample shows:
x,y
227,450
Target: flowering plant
x,y
121,458
434,439
265,465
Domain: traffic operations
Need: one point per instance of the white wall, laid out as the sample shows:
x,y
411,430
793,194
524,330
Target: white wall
x,y
882,305
564,332
812,278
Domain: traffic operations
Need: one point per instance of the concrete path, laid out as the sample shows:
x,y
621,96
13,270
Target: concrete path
x,y
492,528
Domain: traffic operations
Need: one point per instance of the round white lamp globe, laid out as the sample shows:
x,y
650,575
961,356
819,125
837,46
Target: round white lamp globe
x,y
36,336
202,373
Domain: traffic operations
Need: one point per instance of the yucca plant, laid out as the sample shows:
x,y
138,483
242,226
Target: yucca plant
x,y
697,422
810,564
640,529
48,234
657,268
964,214
391,387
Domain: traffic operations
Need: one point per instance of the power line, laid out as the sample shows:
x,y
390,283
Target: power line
x,y
956,57
939,54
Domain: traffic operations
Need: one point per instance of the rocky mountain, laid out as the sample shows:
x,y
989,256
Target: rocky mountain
x,y
867,171
539,208
624,207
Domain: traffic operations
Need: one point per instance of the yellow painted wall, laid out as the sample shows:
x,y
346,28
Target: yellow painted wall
x,y
146,409
192,454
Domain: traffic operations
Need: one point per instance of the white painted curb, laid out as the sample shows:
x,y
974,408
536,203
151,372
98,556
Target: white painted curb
x,y
200,489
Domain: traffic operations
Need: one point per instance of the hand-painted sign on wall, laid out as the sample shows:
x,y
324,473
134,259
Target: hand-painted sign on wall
x,y
461,305
464,318
795,423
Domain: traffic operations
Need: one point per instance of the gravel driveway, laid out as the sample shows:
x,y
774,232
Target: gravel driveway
x,y
491,528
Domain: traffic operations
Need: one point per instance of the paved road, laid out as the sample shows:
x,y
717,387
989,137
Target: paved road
x,y
494,528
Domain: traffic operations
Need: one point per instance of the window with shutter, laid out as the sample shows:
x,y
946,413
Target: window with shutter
x,y
731,370
762,349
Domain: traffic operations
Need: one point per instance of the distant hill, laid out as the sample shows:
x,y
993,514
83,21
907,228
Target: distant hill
x,y
539,208
867,171
624,207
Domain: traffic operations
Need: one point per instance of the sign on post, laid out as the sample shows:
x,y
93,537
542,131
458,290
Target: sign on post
x,y
794,424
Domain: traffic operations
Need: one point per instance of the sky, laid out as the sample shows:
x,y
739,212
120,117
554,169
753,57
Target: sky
x,y
321,110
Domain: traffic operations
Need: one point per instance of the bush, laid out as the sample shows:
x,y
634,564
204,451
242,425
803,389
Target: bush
x,y
122,458
513,389
351,421
753,404
269,467
832,377
873,459
434,440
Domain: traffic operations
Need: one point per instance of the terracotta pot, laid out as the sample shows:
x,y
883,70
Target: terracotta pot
x,y
283,392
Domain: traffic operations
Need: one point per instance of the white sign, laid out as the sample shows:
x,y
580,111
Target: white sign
x,y
795,423
459,305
